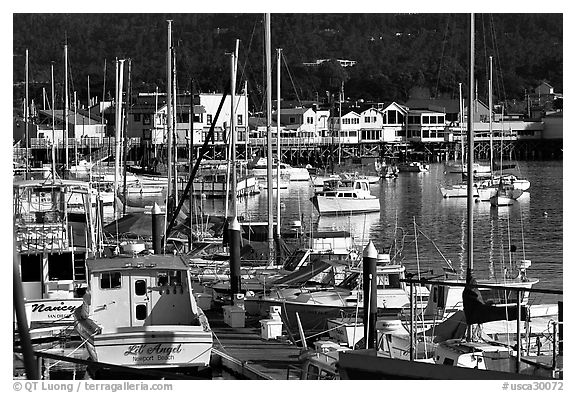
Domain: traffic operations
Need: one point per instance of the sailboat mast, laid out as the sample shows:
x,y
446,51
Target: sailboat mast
x,y
118,138
53,126
490,122
26,116
125,140
340,97
233,181
470,171
175,126
269,139
169,115
66,107
461,120
76,122
278,139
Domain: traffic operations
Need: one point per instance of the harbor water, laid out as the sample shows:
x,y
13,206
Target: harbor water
x,y
533,224
412,204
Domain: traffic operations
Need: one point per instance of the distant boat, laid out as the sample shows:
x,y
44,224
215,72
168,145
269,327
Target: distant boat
x,y
477,168
457,191
345,196
413,166
505,195
259,167
213,185
355,175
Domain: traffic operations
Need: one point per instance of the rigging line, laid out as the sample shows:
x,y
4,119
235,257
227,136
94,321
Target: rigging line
x,y
302,58
486,60
499,66
291,80
437,249
247,53
442,54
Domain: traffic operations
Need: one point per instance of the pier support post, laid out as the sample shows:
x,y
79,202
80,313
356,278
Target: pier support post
x,y
370,297
157,229
234,237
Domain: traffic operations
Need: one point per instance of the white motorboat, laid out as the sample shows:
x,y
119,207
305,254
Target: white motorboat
x,y
316,305
345,196
141,312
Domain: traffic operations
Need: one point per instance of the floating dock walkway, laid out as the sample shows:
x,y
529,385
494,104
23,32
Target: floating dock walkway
x,y
242,351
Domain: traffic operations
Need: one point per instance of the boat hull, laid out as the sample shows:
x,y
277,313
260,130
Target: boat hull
x,y
338,205
148,346
54,311
457,191
313,317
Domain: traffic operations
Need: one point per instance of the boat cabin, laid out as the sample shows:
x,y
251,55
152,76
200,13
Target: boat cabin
x,y
53,238
148,290
480,355
321,362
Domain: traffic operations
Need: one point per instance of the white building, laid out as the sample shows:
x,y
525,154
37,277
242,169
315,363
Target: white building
x,y
204,116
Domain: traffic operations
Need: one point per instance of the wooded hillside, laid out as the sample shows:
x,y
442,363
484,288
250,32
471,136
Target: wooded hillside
x,y
394,52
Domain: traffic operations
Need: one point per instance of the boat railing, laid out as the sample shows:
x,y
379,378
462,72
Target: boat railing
x,y
41,237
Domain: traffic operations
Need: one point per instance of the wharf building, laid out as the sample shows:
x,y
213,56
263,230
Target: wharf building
x,y
309,134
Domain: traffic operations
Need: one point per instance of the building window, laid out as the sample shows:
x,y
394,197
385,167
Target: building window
x,y
239,120
136,117
367,119
198,118
146,119
209,120
110,280
292,120
425,120
185,118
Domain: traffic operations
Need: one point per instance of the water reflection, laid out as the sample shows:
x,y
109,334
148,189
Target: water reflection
x,y
360,226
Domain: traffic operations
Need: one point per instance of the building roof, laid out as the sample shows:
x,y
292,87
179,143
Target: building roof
x,y
436,104
293,111
81,116
420,111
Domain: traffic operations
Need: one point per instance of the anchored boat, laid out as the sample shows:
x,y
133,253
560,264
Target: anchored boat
x,y
346,196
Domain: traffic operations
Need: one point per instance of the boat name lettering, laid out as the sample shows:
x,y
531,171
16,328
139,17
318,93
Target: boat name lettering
x,y
43,308
140,349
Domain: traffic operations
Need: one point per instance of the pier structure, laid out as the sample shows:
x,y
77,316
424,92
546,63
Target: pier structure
x,y
318,152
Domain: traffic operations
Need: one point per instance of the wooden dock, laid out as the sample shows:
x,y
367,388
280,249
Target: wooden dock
x,y
243,352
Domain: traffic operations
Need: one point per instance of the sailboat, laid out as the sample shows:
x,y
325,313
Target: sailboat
x,y
458,190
